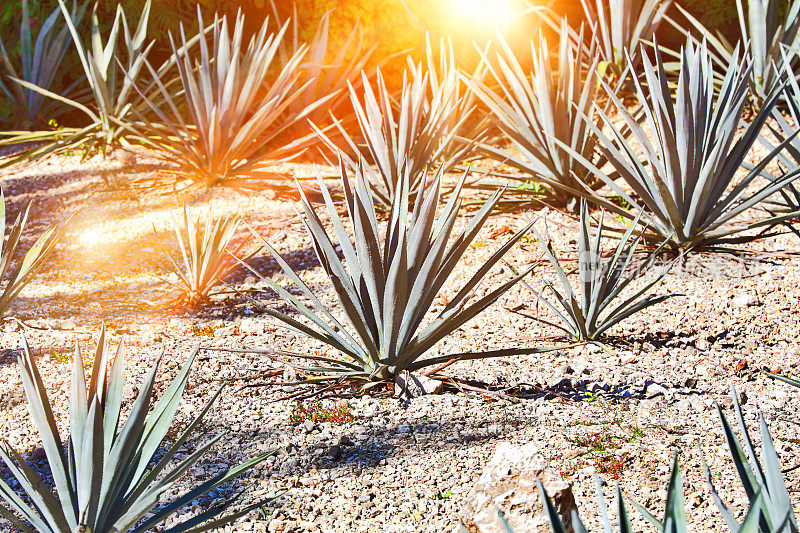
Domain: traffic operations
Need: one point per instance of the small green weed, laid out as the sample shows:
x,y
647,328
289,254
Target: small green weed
x,y
443,495
532,186
60,357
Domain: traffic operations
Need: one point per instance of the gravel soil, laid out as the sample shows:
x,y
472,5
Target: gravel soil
x,y
403,466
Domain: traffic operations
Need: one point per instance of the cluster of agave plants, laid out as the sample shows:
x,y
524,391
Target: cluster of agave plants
x,y
652,147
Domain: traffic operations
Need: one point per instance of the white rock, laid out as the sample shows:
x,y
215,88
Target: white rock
x,y
251,326
745,300
508,484
410,385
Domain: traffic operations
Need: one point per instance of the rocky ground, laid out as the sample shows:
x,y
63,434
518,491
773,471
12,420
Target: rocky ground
x,y
405,466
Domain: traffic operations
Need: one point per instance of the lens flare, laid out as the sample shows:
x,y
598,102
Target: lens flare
x,y
485,13
90,237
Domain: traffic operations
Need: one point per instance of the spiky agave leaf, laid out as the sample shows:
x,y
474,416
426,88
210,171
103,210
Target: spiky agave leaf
x,y
103,475
205,250
686,180
402,144
762,481
323,73
236,119
17,277
40,60
542,110
389,279
771,37
111,99
621,27
587,313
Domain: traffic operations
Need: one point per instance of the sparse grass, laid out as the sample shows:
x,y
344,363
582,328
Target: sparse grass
x,y
612,465
443,495
203,330
341,413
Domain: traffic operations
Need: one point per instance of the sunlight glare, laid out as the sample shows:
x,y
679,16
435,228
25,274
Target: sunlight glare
x,y
90,237
493,13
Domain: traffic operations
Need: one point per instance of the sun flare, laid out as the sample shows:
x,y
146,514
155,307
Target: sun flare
x,y
485,13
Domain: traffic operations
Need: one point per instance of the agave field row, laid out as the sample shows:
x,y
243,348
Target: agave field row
x,y
659,155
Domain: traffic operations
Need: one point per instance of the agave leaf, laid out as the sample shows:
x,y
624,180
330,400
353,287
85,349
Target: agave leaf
x,y
587,313
686,180
391,277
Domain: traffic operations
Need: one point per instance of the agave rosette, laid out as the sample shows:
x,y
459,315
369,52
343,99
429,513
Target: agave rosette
x,y
109,474
237,111
541,112
390,280
686,182
586,313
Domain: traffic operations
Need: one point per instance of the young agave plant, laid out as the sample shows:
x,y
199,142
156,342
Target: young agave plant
x,y
108,475
391,280
402,146
206,255
674,520
112,96
236,118
540,113
586,314
763,481
687,180
40,61
19,276
771,36
770,506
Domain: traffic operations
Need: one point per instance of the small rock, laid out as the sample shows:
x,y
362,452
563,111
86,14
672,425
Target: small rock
x,y
335,452
509,484
309,426
251,326
411,385
654,389
745,300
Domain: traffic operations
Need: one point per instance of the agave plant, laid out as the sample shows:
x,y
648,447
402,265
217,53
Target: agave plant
x,y
19,276
687,180
207,258
112,96
770,508
403,145
623,26
675,519
391,280
620,28
771,37
763,482
443,72
109,474
40,61
540,113
235,123
587,313
323,75
784,130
